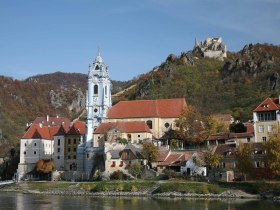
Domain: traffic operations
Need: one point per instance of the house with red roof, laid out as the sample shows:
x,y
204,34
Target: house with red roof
x,y
50,138
159,115
73,137
133,131
266,118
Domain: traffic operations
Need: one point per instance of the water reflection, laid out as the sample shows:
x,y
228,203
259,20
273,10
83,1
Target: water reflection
x,y
19,201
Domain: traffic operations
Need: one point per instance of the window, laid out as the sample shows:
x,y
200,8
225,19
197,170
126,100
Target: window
x,y
267,116
75,141
69,157
74,157
166,125
35,144
58,150
224,165
58,157
69,149
149,124
34,152
87,155
74,149
25,144
138,135
69,141
261,128
264,139
269,128
248,139
24,153
58,142
95,89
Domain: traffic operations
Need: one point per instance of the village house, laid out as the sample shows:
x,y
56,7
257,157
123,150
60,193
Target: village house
x,y
266,118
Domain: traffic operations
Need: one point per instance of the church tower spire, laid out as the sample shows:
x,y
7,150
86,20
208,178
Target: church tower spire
x,y
98,97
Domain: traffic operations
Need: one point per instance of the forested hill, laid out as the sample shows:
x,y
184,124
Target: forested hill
x,y
235,86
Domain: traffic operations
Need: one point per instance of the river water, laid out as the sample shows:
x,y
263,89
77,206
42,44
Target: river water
x,y
22,201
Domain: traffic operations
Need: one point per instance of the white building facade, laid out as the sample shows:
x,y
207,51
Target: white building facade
x,y
98,104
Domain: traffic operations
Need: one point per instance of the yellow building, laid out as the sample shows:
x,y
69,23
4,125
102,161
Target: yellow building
x,y
159,115
72,140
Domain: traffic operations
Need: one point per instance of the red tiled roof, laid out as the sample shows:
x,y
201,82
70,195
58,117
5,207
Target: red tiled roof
x,y
78,128
269,104
249,127
52,121
164,108
127,127
163,154
173,159
225,117
226,136
44,132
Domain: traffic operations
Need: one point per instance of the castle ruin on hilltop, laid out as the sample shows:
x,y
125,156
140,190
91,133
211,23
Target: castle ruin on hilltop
x,y
211,48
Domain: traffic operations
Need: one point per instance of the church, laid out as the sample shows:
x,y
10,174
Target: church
x,y
92,146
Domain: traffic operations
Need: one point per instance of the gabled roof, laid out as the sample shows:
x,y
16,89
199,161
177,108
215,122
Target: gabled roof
x,y
127,127
269,104
173,159
164,108
135,151
52,121
225,117
43,132
78,128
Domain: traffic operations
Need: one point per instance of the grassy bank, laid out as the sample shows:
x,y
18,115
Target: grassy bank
x,y
145,186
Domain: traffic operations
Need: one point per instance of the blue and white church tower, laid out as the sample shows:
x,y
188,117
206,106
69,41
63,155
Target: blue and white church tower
x,y
97,106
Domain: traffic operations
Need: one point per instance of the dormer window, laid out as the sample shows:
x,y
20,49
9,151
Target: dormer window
x,y
265,105
97,67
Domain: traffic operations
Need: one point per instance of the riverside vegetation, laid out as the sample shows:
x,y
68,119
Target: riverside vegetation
x,y
170,188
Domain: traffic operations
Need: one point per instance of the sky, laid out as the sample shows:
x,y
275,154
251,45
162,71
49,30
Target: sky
x,y
134,36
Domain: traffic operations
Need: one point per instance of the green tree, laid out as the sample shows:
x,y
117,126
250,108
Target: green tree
x,y
135,169
150,152
238,127
244,158
190,126
122,140
272,157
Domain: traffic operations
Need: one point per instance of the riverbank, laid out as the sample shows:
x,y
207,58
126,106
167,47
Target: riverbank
x,y
156,189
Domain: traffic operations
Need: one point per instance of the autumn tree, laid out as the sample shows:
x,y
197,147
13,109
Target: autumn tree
x,y
190,126
244,158
214,125
211,159
44,166
272,157
150,152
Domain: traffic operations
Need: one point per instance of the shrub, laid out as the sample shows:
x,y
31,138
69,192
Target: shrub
x,y
118,175
169,173
119,187
133,189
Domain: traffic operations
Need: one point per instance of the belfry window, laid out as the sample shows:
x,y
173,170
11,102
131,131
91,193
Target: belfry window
x,y
95,89
149,124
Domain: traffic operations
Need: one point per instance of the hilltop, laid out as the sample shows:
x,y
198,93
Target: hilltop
x,y
234,85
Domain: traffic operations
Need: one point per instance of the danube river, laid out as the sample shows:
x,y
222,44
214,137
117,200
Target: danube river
x,y
33,202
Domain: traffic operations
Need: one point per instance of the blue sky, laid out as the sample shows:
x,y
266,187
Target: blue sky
x,y
44,36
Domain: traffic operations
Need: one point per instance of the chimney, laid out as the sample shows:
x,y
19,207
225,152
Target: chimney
x,y
48,118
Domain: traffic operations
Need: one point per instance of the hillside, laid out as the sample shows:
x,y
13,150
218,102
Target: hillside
x,y
53,94
235,85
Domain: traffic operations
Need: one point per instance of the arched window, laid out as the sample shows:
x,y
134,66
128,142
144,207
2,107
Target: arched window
x,y
150,124
105,90
95,89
